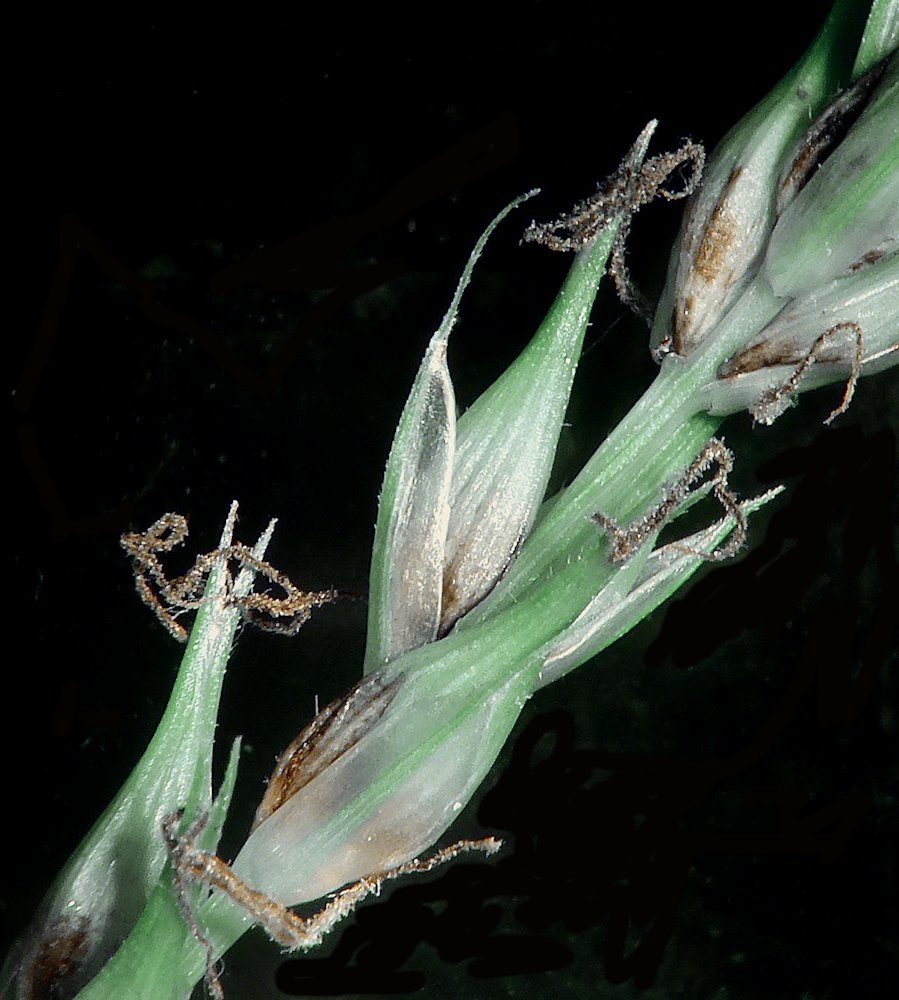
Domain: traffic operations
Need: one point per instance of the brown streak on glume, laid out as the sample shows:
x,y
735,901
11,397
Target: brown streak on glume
x,y
825,133
871,257
717,236
683,312
451,600
769,354
59,953
764,354
454,602
335,730
799,172
773,402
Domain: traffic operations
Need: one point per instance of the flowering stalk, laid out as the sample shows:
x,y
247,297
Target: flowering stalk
x,y
482,591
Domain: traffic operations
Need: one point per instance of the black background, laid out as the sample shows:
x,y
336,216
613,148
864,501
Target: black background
x,y
231,239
